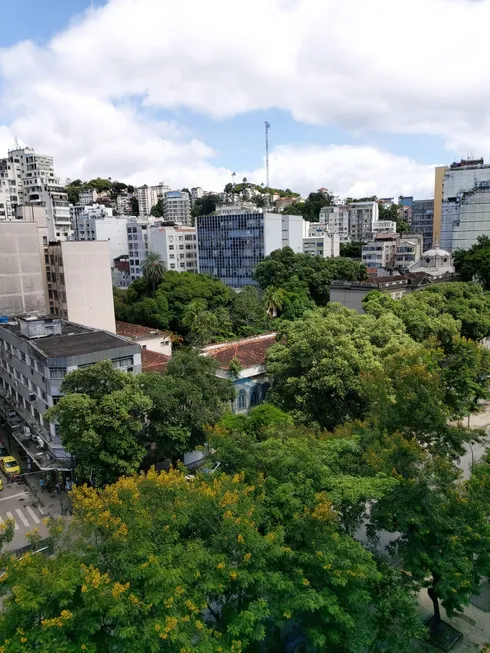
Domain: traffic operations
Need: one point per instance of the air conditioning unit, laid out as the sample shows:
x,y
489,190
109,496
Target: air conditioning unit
x,y
32,397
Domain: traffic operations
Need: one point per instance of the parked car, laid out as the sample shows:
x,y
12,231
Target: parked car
x,y
9,465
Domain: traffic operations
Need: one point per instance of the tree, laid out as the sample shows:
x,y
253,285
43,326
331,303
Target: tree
x,y
153,269
202,325
474,263
273,300
135,206
228,188
317,273
351,250
317,367
157,210
158,561
442,530
100,418
244,180
247,312
185,400
99,184
205,205
130,189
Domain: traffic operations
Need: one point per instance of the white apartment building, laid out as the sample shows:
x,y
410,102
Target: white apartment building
x,y
409,250
148,196
176,245
87,196
80,284
292,232
196,194
137,231
123,204
31,179
177,208
94,210
111,228
336,219
353,222
384,227
326,246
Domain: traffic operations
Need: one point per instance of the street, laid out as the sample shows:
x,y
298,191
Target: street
x,y
19,504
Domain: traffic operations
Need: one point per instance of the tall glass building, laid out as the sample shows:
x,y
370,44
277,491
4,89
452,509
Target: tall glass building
x,y
230,246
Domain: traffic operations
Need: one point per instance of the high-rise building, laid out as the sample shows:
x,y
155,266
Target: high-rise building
x,y
353,222
177,247
336,219
463,213
35,355
231,246
137,231
423,220
177,207
148,196
31,179
80,284
196,194
87,196
111,228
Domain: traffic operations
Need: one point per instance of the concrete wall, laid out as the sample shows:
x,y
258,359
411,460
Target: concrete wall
x,y
114,231
272,232
22,288
88,284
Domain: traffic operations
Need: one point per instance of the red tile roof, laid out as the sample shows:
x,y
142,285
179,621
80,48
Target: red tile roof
x,y
152,361
136,331
249,351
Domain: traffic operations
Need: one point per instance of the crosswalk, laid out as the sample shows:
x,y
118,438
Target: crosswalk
x,y
28,516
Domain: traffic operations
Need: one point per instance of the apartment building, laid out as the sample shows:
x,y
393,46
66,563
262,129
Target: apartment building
x,y
22,271
422,220
120,272
79,283
137,232
362,218
177,247
123,204
196,194
408,250
384,227
113,229
461,207
87,196
177,208
36,353
231,246
30,179
380,252
317,241
336,219
148,196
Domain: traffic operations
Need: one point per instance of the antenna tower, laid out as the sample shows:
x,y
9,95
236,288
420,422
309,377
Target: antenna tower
x,y
267,127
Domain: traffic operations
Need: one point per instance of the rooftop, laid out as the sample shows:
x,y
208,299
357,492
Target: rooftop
x,y
136,331
249,351
152,361
75,340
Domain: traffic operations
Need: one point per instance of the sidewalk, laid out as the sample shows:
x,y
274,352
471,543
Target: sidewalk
x,y
50,501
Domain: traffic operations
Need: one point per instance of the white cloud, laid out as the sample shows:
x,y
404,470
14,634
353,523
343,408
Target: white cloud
x,y
385,65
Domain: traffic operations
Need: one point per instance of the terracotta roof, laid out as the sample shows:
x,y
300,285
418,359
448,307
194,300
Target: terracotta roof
x,y
249,351
152,361
136,331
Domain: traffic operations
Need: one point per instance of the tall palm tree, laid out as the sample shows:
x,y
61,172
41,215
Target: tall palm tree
x,y
273,300
153,268
233,174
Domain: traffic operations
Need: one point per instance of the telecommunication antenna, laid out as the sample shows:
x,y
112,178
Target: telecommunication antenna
x,y
267,127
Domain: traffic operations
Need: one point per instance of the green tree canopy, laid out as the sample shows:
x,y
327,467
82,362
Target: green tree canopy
x,y
157,210
100,418
474,263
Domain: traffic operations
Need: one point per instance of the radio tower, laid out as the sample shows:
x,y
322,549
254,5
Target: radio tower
x,y
267,127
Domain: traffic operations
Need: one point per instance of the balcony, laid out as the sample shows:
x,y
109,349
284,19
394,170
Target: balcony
x,y
32,437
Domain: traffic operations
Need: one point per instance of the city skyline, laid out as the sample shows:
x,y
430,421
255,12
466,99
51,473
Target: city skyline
x,y
189,109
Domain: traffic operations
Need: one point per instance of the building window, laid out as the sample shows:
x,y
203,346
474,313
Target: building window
x,y
58,372
126,361
242,400
255,396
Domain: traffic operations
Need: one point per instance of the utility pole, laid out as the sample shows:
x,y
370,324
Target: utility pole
x,y
267,127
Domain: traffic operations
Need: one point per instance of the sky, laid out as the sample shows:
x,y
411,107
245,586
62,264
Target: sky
x,y
363,98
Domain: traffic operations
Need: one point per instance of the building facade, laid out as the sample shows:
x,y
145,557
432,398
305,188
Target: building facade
x,y
231,246
112,229
30,179
79,283
35,356
380,252
422,221
137,232
177,247
177,208
148,339
87,196
336,218
353,222
22,267
408,250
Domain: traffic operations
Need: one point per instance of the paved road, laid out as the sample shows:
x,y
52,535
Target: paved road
x,y
19,504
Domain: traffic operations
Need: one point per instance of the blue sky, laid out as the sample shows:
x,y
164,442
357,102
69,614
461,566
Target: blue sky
x,y
369,110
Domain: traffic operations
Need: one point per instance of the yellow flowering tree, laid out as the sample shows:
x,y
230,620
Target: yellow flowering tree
x,y
160,563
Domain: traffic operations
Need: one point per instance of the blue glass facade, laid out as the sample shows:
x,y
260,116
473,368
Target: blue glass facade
x,y
230,246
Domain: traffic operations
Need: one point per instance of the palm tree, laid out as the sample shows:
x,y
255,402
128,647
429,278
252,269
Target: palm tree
x,y
233,174
153,268
273,300
245,180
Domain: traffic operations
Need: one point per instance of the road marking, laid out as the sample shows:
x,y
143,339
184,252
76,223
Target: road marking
x,y
40,510
22,517
10,516
13,496
33,514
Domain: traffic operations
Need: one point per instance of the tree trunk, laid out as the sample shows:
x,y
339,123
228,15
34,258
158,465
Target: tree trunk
x,y
432,592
